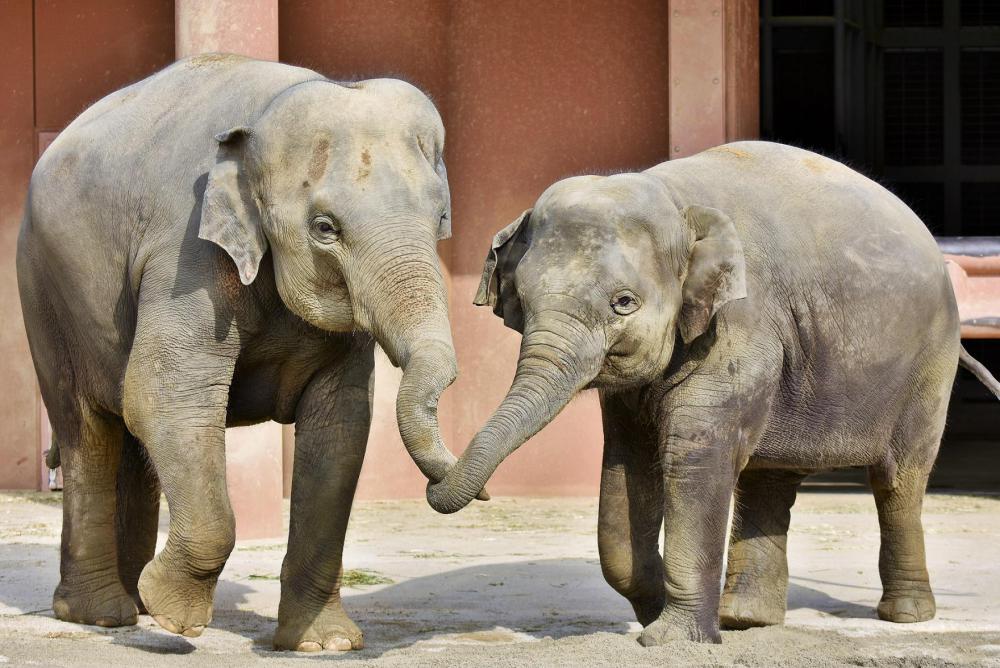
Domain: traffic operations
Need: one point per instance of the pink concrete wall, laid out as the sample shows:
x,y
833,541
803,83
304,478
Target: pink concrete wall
x,y
19,434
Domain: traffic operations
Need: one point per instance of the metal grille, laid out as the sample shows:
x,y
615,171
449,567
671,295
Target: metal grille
x,y
980,85
926,199
981,209
912,13
914,107
980,13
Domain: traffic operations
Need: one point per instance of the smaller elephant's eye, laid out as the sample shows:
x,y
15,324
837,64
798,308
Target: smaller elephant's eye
x,y
325,229
625,303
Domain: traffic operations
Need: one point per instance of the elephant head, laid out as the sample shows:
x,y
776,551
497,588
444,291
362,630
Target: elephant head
x,y
346,185
601,278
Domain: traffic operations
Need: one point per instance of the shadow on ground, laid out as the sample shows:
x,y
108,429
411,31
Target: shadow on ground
x,y
483,604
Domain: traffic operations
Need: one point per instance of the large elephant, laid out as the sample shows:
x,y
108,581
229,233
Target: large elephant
x,y
750,315
221,244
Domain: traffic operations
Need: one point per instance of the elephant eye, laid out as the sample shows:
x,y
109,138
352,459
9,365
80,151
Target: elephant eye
x,y
325,229
625,303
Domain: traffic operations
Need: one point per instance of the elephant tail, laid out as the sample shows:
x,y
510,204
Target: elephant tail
x,y
52,458
980,372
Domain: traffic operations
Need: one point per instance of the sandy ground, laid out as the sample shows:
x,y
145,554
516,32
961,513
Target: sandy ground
x,y
517,582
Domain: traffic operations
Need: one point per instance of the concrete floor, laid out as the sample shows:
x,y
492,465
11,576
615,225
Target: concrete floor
x,y
517,582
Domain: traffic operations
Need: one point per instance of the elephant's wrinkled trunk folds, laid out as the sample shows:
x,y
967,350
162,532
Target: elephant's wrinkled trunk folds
x,y
410,321
555,363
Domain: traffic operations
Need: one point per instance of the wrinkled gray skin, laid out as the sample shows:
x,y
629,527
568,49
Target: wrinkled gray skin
x,y
218,245
750,315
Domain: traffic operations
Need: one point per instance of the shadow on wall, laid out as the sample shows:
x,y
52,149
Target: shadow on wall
x,y
487,603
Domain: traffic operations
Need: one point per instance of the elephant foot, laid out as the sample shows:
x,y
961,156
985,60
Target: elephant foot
x,y
647,611
907,608
664,631
302,630
104,605
742,610
179,603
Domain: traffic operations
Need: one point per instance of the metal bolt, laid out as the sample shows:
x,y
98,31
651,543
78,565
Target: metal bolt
x,y
677,149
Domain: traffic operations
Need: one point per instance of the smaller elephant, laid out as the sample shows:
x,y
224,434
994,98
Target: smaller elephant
x,y
750,315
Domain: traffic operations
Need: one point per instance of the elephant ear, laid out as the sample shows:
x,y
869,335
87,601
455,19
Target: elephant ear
x,y
230,216
716,272
444,229
497,288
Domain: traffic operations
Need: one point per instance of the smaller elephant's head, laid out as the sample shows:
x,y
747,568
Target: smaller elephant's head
x,y
601,277
345,185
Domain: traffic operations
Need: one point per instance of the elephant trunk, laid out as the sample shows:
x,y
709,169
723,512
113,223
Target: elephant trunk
x,y
406,309
556,362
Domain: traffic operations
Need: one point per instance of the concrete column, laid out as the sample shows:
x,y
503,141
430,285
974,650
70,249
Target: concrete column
x,y
246,27
697,70
253,454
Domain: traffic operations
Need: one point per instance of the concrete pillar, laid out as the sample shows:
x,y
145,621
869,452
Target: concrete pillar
x,y
696,44
246,27
254,455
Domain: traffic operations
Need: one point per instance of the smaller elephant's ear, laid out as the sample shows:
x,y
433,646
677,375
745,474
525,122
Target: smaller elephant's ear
x,y
496,288
229,214
716,272
444,229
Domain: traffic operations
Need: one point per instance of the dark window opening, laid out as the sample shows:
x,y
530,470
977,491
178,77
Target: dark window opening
x,y
803,8
914,107
912,13
803,87
980,13
980,86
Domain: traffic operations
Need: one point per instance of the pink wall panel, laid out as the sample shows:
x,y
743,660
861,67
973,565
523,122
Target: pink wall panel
x,y
18,390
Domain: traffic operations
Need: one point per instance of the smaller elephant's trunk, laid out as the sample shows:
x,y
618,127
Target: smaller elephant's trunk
x,y
550,372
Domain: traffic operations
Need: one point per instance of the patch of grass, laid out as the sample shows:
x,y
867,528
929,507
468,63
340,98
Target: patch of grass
x,y
357,577
262,576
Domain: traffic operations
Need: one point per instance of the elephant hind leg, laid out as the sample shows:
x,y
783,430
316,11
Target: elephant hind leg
x,y
755,592
89,590
906,589
89,445
138,514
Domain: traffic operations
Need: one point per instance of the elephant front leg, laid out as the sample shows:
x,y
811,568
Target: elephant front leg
x,y
697,488
757,575
175,404
631,510
331,433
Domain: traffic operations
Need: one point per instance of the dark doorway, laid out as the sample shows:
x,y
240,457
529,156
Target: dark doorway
x,y
907,92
